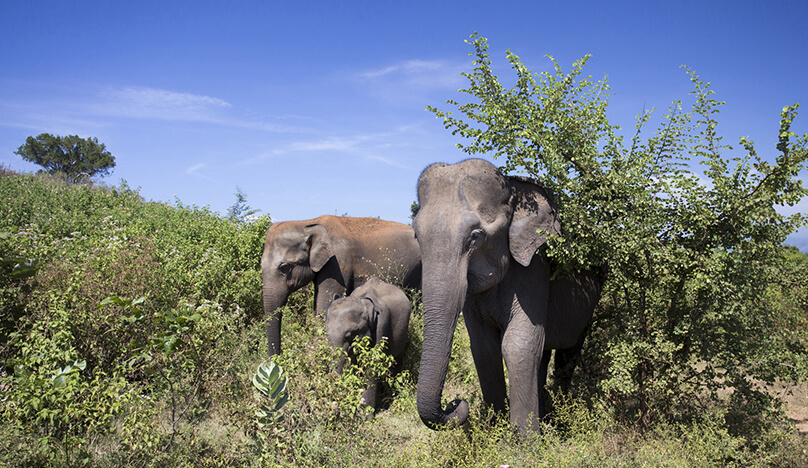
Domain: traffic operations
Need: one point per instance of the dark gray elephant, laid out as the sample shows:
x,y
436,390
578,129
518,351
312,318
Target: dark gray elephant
x,y
338,254
377,310
479,233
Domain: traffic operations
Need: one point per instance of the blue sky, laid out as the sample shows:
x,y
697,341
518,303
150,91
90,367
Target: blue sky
x,y
318,107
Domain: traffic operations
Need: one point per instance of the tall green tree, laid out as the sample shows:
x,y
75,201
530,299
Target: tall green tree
x,y
685,226
77,159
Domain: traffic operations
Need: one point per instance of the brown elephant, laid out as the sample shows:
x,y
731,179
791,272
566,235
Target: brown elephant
x,y
479,233
338,254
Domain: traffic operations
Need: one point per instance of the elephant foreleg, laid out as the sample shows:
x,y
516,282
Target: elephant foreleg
x,y
487,353
523,346
369,396
325,288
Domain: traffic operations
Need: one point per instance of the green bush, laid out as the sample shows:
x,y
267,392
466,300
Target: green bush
x,y
53,398
164,356
685,229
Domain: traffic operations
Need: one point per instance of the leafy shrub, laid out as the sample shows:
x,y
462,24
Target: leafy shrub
x,y
158,358
52,396
690,255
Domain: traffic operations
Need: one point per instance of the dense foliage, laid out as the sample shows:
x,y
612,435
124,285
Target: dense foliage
x,y
134,312
686,229
72,157
131,336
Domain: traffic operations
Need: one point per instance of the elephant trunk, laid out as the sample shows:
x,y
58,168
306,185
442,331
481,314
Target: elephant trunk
x,y
443,300
345,356
341,364
274,298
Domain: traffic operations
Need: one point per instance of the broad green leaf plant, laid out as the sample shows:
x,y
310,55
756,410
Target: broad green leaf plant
x,y
270,389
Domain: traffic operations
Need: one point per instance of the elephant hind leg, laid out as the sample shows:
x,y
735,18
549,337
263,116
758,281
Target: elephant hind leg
x,y
565,362
370,397
563,369
545,361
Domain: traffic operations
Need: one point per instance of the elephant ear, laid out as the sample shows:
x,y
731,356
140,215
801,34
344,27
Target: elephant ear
x,y
371,311
371,315
321,250
534,216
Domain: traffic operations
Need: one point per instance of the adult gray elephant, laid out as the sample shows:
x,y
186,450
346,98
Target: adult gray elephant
x,y
338,254
479,233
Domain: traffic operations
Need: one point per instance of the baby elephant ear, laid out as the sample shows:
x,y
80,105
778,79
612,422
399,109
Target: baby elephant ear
x,y
371,313
534,216
320,250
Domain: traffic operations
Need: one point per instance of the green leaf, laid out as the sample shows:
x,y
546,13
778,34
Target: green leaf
x,y
281,402
111,300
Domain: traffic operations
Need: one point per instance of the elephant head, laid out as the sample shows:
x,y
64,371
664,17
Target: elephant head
x,y
472,225
293,253
348,318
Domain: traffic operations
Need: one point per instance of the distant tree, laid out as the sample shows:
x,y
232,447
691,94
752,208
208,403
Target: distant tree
x,y
414,209
240,211
78,159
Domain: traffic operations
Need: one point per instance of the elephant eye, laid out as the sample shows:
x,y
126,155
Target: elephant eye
x,y
476,239
285,268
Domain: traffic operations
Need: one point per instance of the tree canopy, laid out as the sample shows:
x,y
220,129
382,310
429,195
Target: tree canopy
x,y
77,159
686,228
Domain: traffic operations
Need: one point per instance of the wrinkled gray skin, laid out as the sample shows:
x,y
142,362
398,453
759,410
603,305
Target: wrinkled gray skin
x,y
338,254
375,309
478,236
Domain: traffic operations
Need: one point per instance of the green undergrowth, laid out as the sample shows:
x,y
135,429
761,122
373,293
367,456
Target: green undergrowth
x,y
131,332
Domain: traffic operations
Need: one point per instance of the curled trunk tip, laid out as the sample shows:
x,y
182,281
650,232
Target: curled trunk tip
x,y
453,416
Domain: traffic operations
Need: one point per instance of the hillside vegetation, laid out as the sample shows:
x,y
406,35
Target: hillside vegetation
x,y
131,331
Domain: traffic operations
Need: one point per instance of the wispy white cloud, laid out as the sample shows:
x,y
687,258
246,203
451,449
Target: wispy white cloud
x,y
58,116
51,122
407,67
411,84
151,103
195,171
323,145
421,73
160,104
343,144
370,147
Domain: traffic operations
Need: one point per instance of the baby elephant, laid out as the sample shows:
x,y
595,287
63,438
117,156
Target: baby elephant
x,y
375,309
